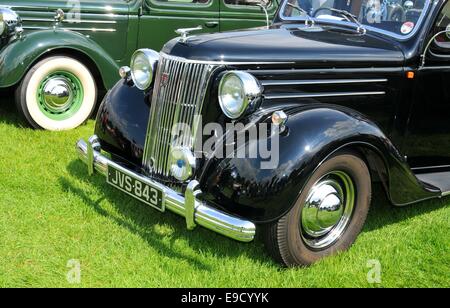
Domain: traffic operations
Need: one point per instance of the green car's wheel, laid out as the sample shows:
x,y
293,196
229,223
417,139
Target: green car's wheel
x,y
58,93
328,215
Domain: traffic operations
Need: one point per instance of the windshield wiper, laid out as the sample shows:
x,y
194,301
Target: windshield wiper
x,y
350,17
309,20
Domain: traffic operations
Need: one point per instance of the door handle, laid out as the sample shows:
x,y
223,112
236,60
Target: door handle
x,y
211,24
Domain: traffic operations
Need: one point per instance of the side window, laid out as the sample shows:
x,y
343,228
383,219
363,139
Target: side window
x,y
442,42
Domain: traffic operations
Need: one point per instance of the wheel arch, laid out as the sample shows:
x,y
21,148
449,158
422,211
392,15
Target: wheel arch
x,y
20,56
315,133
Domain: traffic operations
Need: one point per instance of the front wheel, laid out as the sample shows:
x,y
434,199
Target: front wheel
x,y
58,93
328,215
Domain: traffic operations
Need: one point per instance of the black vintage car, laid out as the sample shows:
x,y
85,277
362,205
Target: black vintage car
x,y
354,92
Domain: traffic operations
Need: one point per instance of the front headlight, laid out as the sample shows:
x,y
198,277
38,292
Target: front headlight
x,y
9,21
2,26
143,67
237,92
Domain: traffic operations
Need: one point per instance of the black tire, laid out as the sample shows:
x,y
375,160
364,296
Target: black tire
x,y
285,239
78,79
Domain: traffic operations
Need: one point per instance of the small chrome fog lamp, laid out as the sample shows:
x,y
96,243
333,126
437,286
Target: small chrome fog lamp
x,y
143,67
237,92
279,118
182,163
124,72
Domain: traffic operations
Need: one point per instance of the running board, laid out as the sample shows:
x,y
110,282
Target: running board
x,y
439,180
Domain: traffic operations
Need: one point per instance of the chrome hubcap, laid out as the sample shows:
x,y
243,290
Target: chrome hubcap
x,y
58,94
327,210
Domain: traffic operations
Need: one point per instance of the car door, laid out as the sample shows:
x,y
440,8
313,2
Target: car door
x,y
428,141
160,19
242,14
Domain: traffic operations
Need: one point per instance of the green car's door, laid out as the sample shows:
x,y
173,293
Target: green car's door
x,y
242,14
160,19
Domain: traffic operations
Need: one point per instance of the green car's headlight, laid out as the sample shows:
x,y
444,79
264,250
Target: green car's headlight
x,y
9,22
2,26
237,91
143,67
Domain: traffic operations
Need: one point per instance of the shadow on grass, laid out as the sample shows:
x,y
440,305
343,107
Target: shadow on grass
x,y
8,110
383,213
142,220
201,240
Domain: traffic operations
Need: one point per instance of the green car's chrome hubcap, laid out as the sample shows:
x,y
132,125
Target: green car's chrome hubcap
x,y
327,210
60,95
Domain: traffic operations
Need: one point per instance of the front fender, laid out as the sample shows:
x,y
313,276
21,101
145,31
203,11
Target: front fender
x,y
314,133
18,57
122,121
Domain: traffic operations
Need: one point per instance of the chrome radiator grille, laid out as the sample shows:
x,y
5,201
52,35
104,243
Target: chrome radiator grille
x,y
179,92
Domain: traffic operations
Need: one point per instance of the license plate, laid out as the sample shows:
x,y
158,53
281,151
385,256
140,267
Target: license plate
x,y
136,188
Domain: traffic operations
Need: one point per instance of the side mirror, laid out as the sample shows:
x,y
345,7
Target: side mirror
x,y
428,46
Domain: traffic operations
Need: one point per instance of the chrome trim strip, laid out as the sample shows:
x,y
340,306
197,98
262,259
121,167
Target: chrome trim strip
x,y
204,214
371,70
35,28
110,22
430,167
70,29
175,58
38,19
88,29
32,19
318,82
318,95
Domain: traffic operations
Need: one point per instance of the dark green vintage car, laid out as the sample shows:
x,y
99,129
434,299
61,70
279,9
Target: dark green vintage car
x,y
59,55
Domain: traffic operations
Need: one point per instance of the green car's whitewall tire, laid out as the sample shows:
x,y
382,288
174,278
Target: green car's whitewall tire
x,y
58,93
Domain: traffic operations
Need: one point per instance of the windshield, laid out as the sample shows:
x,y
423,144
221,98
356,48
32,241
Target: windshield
x,y
395,17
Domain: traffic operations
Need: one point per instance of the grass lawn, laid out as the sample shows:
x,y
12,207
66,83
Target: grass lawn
x,y
52,212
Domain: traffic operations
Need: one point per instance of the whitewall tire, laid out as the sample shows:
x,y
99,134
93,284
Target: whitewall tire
x,y
58,93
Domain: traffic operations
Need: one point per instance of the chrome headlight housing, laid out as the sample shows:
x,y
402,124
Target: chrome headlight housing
x,y
143,67
9,21
2,26
237,92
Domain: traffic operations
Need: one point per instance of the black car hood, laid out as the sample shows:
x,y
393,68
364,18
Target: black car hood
x,y
293,44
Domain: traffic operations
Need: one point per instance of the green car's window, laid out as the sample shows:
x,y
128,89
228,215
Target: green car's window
x,y
442,24
184,1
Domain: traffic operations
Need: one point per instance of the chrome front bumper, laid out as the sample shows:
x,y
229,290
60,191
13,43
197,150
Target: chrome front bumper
x,y
195,211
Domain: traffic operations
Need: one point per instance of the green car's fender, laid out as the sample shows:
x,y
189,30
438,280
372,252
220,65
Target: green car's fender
x,y
19,56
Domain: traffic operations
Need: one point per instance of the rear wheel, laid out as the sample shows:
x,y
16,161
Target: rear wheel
x,y
328,215
58,93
